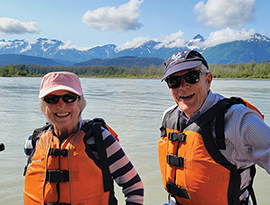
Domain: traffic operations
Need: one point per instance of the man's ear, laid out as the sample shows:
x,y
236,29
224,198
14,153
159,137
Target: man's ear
x,y
209,78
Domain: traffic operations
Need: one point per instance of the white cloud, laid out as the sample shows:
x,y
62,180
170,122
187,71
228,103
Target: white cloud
x,y
172,40
227,35
135,43
123,18
69,45
175,40
225,13
13,26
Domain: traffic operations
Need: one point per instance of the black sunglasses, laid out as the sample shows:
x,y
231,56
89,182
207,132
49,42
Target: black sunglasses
x,y
54,99
191,77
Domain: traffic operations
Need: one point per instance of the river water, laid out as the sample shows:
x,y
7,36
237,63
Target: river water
x,y
132,107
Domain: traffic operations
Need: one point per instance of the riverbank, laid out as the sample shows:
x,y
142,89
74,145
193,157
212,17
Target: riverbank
x,y
250,70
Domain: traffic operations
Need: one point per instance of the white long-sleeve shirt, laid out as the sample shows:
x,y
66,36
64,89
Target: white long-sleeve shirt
x,y
247,137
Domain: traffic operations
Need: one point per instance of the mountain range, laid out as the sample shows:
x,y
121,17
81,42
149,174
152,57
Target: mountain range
x,y
125,61
53,52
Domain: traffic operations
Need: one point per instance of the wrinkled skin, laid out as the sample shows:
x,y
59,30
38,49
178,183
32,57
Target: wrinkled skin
x,y
190,97
64,116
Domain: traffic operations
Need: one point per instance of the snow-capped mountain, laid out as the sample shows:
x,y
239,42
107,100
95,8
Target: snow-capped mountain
x,y
256,48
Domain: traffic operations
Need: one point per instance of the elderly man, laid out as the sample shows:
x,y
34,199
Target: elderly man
x,y
209,144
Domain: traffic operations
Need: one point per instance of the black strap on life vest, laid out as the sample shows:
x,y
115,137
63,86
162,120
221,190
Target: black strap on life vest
x,y
35,137
58,152
220,109
55,176
101,149
94,128
217,112
173,136
250,187
37,132
164,121
176,190
174,160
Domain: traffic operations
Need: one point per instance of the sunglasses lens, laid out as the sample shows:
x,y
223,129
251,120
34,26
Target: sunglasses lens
x,y
191,77
174,81
51,99
68,98
54,99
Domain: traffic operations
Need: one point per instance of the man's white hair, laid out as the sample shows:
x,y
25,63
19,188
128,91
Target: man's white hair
x,y
204,68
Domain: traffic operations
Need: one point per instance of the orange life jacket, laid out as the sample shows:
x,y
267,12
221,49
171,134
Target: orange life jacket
x,y
64,173
193,169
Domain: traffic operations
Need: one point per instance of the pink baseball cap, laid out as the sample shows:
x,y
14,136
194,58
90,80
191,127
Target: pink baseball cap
x,y
60,81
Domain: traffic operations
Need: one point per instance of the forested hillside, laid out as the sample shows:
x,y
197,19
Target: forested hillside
x,y
239,70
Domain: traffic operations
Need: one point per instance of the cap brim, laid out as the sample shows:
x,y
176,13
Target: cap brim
x,y
181,66
66,88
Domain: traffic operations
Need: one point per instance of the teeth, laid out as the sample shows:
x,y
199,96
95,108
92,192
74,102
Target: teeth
x,y
186,96
62,114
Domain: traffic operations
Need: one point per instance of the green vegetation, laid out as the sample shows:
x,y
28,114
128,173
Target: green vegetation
x,y
83,71
239,70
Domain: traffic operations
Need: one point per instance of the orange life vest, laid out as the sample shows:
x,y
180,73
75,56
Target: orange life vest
x,y
71,177
193,169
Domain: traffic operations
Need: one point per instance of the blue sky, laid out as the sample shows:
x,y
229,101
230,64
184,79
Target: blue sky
x,y
84,24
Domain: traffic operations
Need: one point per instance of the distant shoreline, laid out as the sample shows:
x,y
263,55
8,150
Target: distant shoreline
x,y
250,70
137,77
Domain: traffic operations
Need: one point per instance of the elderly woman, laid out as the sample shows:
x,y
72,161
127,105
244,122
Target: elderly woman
x,y
71,161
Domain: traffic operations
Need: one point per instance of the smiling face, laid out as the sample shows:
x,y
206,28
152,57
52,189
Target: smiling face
x,y
64,116
190,97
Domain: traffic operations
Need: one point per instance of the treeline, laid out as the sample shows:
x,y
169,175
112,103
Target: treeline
x,y
83,71
239,70
87,71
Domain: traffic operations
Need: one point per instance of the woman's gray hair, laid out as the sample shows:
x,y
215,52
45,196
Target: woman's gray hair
x,y
81,105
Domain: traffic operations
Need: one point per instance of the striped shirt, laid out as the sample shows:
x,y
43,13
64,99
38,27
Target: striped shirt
x,y
121,169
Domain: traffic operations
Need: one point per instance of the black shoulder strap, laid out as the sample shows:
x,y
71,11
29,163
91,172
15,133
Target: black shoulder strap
x,y
164,121
37,132
94,128
218,112
223,105
35,137
250,188
101,149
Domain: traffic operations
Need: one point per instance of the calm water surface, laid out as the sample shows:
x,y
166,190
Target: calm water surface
x,y
132,107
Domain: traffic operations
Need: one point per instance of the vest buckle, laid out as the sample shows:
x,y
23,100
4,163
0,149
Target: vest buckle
x,y
174,136
174,160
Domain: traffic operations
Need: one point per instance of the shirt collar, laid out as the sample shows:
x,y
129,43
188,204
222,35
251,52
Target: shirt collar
x,y
81,123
